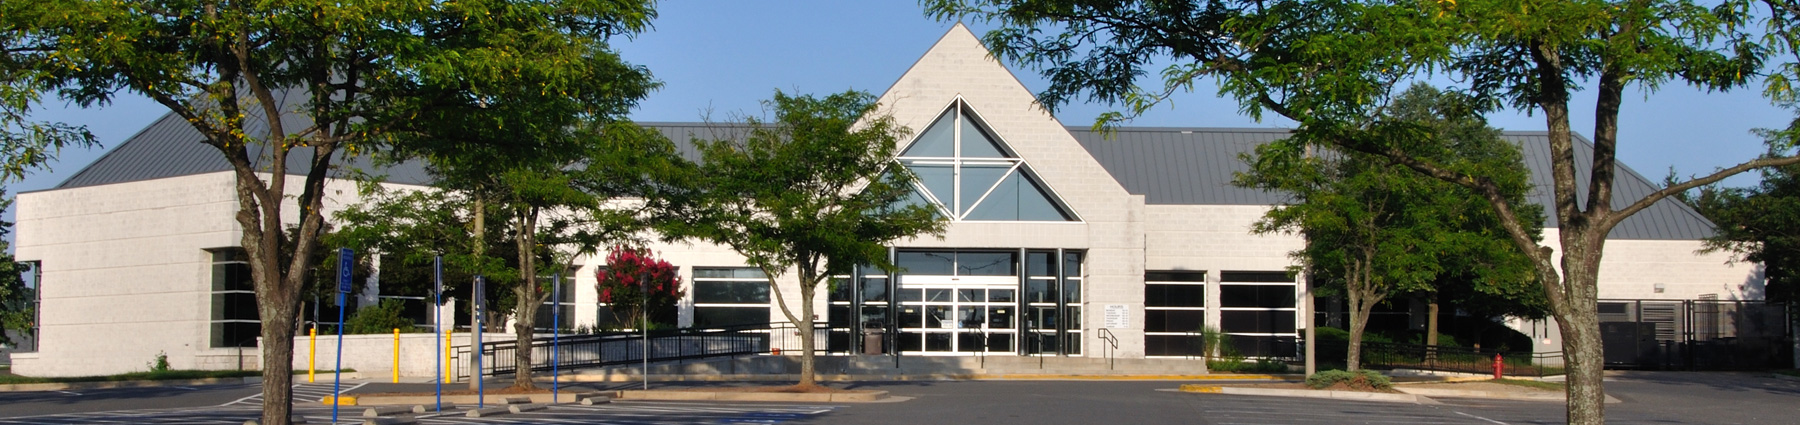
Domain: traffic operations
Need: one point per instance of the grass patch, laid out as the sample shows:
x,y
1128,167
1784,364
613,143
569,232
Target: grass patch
x,y
1557,386
1788,372
144,376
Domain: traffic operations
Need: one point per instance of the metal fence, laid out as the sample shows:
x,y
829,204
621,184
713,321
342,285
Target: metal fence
x,y
1695,334
628,348
1458,359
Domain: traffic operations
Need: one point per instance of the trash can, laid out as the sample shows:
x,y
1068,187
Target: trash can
x,y
872,341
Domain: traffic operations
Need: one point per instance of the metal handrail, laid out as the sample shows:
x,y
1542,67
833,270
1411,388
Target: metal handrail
x,y
625,347
1108,336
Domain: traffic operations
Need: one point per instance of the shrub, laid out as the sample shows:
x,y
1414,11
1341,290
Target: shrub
x,y
160,363
380,319
619,287
1364,379
1239,364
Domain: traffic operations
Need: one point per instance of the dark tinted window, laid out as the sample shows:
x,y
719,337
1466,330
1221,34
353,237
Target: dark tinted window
x,y
1173,320
1256,321
1175,276
731,292
1174,295
1041,264
925,263
875,289
984,264
724,316
1255,277
1265,296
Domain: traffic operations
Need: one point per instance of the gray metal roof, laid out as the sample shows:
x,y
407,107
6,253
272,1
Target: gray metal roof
x,y
170,147
1169,166
1193,166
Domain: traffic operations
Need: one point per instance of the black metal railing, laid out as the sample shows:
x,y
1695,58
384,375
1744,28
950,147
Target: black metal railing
x,y
1458,359
628,348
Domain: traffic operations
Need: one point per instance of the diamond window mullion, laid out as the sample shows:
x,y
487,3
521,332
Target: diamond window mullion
x,y
960,183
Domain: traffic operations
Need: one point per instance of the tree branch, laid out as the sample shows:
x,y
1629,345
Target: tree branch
x,y
1623,213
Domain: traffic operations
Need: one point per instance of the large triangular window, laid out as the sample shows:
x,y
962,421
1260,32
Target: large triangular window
x,y
972,176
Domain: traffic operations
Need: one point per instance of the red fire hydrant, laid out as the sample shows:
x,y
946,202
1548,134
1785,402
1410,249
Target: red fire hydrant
x,y
1497,367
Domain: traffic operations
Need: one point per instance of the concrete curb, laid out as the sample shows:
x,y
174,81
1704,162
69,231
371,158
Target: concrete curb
x,y
376,412
1282,392
939,377
460,400
59,386
522,408
1501,395
389,421
491,411
432,408
852,397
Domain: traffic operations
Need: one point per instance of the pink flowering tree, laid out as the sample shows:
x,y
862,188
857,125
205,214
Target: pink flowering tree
x,y
634,283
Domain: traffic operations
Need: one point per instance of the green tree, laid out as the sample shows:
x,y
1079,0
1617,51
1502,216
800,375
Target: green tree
x,y
26,144
544,207
280,87
815,191
1759,224
1375,230
1328,65
410,228
18,303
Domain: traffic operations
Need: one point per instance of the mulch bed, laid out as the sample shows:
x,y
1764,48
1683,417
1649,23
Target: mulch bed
x,y
1341,386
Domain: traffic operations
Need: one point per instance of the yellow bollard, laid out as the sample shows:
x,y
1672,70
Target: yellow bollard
x,y
396,355
447,372
312,352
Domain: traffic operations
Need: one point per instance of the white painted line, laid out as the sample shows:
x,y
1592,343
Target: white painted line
x,y
69,393
1481,418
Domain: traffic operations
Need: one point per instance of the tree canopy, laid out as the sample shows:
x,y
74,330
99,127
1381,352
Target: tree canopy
x,y
1375,230
311,80
811,192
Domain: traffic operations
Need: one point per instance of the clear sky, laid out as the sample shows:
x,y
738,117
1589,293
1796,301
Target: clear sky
x,y
723,57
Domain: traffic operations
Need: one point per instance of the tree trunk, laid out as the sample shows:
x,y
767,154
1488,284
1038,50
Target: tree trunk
x,y
1360,306
1579,321
1431,321
525,313
1363,297
807,368
1431,327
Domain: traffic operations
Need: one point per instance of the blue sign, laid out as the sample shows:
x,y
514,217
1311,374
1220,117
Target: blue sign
x,y
346,266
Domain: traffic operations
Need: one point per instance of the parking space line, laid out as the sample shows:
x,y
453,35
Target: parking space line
x,y
1481,418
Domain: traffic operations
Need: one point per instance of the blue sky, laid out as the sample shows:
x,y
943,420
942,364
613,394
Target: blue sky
x,y
719,58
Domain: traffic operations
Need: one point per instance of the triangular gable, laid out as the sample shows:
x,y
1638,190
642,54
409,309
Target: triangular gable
x,y
1009,124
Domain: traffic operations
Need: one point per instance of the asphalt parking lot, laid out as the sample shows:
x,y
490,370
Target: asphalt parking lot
x,y
1646,397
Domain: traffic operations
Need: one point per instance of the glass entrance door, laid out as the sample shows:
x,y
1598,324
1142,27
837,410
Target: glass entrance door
x,y
957,315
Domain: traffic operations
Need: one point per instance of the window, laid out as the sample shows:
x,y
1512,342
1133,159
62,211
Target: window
x,y
957,263
1257,309
234,316
730,296
1174,312
406,283
547,315
970,175
29,274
